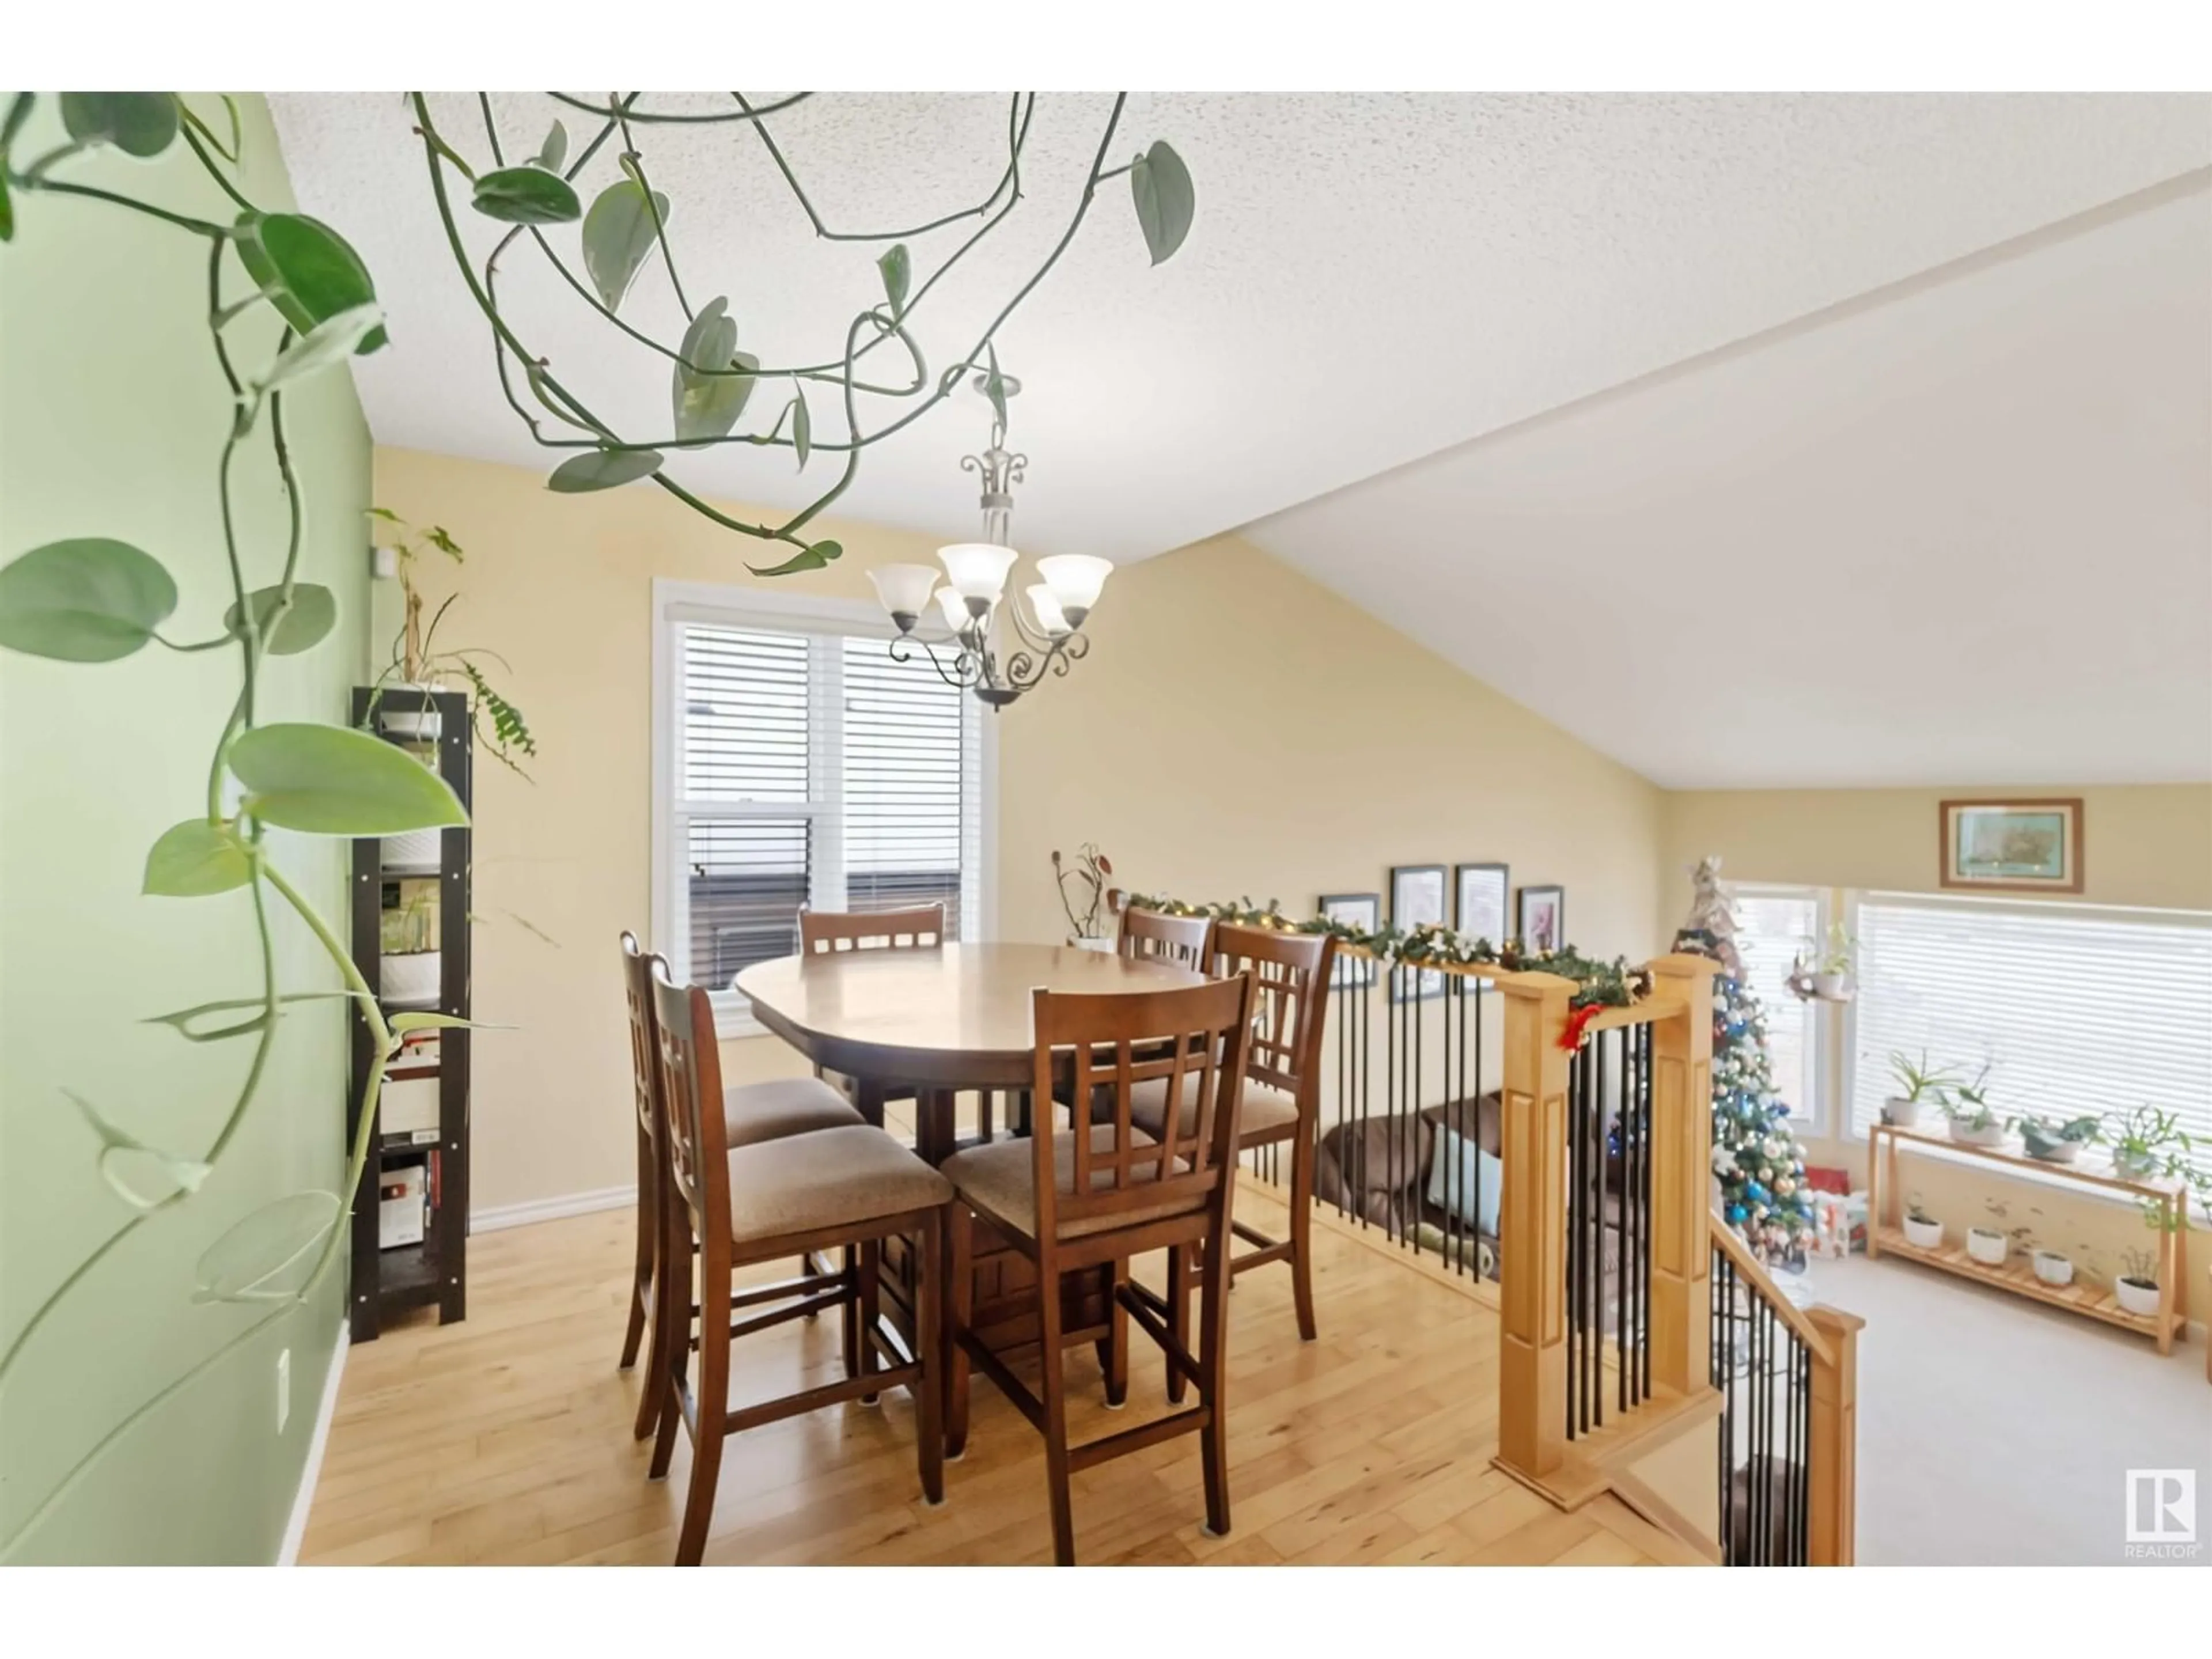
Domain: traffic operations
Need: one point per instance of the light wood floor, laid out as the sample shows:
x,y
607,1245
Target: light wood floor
x,y
506,1438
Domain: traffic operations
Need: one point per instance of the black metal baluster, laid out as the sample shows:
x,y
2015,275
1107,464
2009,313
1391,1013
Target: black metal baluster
x,y
1723,1294
1644,1034
1593,1197
1574,1237
1475,1123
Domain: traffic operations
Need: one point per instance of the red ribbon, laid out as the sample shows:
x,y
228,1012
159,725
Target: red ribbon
x,y
1579,1019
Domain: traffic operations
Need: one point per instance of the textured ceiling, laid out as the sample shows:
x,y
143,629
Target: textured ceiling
x,y
1960,534
1372,278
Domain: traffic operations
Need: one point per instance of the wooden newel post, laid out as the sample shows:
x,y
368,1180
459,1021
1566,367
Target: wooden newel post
x,y
1832,1474
1532,1382
1681,1175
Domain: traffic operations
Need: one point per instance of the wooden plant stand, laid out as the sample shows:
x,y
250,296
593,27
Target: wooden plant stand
x,y
1886,1233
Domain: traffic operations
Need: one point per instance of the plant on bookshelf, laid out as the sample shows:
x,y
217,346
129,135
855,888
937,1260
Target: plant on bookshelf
x,y
2136,1288
1922,1084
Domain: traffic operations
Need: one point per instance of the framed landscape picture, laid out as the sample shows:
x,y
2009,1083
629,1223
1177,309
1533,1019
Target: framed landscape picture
x,y
1483,890
1541,921
1360,911
1417,895
2017,845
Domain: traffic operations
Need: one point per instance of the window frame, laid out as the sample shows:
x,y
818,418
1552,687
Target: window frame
x,y
719,605
1815,1123
1855,898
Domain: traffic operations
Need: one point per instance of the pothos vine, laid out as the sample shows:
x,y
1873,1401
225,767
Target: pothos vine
x,y
94,600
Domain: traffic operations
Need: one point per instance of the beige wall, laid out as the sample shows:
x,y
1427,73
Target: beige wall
x,y
1237,730
2146,844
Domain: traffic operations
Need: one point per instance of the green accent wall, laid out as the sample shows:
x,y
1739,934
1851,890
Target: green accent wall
x,y
112,415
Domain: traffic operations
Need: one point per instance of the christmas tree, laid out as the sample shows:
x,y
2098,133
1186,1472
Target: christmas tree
x,y
1756,1157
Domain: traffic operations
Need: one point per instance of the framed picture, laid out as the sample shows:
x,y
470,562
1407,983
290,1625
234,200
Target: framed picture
x,y
1483,890
1417,895
1539,920
2013,846
1360,911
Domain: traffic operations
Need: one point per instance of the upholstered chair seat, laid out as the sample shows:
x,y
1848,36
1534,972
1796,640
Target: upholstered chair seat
x,y
833,1177
754,1112
1000,1180
1267,1112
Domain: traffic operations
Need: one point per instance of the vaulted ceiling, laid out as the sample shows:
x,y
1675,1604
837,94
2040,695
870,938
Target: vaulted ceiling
x,y
1619,384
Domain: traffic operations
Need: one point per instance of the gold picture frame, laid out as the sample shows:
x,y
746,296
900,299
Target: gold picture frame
x,y
2032,846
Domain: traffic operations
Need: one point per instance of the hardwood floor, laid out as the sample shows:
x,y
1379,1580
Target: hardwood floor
x,y
506,1438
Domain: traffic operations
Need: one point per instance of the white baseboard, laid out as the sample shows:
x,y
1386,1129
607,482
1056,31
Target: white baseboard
x,y
550,1209
295,1529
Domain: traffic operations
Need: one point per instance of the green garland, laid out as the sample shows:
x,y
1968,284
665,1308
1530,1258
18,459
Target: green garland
x,y
1597,984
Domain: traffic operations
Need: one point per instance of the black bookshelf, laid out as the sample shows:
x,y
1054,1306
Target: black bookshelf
x,y
433,1272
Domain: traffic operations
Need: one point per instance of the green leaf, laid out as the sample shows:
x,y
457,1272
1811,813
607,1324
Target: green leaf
x,y
261,1258
896,273
19,111
603,469
6,207
401,1024
386,514
140,124
994,384
535,373
706,405
313,613
125,1162
309,271
618,234
554,150
331,780
330,341
88,599
527,196
802,429
1160,184
196,857
816,558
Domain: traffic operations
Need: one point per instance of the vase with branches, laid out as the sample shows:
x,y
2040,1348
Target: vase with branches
x,y
1086,895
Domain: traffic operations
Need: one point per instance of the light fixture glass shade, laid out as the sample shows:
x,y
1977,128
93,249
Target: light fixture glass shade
x,y
1075,579
978,569
955,610
904,589
1050,619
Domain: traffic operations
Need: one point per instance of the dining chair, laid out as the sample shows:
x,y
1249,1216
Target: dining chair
x,y
851,1188
1291,974
1150,936
751,1112
1101,1193
918,927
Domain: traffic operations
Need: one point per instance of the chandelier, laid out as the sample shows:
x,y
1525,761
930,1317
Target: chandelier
x,y
994,649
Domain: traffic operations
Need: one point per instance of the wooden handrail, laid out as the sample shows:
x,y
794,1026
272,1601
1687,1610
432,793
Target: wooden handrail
x,y
1649,1011
1755,1277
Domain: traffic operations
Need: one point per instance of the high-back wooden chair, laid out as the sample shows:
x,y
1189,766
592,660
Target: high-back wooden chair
x,y
821,932
846,1188
754,1112
1291,977
1150,936
1103,1192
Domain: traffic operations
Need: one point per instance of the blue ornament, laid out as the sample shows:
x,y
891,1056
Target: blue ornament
x,y
1735,1215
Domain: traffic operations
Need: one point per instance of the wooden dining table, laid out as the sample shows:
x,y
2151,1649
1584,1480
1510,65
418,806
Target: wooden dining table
x,y
939,1021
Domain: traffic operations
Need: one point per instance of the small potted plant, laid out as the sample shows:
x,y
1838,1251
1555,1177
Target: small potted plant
x,y
1921,1230
1085,896
2147,1142
2056,1142
1972,1119
1921,1084
1831,976
1991,1245
418,665
2137,1290
2056,1267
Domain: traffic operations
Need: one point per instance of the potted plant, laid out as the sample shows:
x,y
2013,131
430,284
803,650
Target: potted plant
x,y
1085,896
418,665
1831,976
409,962
2147,1142
2055,1142
2056,1268
1921,1230
2137,1290
1990,1246
1973,1121
1922,1084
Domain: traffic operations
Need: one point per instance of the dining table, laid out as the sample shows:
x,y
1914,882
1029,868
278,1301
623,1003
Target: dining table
x,y
938,1021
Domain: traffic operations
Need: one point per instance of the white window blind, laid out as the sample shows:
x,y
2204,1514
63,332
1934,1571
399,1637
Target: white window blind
x,y
1774,926
809,768
2074,1010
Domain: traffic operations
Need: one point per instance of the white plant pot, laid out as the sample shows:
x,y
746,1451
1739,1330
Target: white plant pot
x,y
1992,1136
412,979
1104,947
1924,1235
2053,1268
2136,1295
1985,1246
410,722
2059,1152
1899,1113
418,850
2135,1168
1832,988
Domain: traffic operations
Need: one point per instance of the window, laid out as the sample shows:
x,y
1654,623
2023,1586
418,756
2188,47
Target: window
x,y
2074,1010
797,764
1774,927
